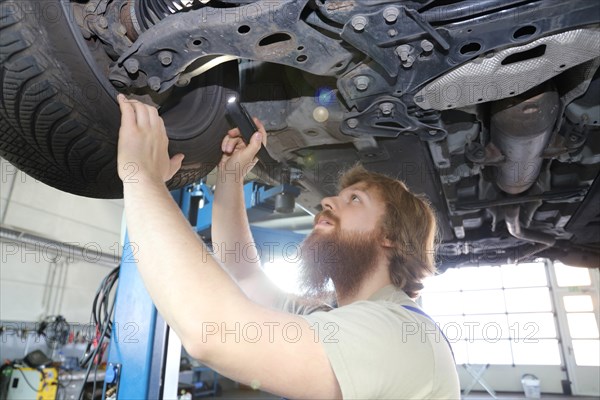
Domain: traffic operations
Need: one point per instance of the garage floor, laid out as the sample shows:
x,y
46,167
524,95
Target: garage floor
x,y
244,394
512,396
258,395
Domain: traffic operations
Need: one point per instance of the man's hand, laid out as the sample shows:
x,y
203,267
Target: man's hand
x,y
238,157
143,144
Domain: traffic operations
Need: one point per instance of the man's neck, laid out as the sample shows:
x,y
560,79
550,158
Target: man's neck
x,y
379,279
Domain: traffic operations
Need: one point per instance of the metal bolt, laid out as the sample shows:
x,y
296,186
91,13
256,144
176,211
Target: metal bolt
x,y
386,108
573,138
102,22
359,22
390,14
117,83
419,99
433,132
480,153
426,45
403,51
154,83
410,60
183,81
165,57
352,123
392,32
131,65
119,79
361,82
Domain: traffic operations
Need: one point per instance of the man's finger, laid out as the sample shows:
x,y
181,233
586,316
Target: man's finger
x,y
235,143
230,144
255,143
127,111
153,118
235,132
261,128
259,124
142,115
175,164
224,143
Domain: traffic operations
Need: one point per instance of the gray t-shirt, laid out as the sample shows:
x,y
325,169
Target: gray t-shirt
x,y
381,350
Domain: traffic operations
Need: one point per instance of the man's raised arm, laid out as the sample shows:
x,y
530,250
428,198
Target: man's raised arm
x,y
199,300
233,243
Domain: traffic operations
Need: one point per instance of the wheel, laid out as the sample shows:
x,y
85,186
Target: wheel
x,y
59,118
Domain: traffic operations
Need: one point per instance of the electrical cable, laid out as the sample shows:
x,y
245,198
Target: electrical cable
x,y
95,378
102,315
100,312
89,368
98,317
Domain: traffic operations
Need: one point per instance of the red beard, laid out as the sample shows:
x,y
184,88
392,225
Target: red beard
x,y
345,257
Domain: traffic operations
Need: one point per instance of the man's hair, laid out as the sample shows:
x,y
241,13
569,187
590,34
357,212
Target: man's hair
x,y
408,222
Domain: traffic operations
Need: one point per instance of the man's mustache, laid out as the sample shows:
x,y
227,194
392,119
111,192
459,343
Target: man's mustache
x,y
327,214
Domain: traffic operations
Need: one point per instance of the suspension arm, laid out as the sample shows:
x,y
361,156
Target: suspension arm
x,y
269,31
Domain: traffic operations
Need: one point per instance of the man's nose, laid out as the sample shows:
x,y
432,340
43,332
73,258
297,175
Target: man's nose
x,y
328,203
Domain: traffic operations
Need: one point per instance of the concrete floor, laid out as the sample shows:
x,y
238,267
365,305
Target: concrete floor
x,y
244,394
258,395
514,396
232,390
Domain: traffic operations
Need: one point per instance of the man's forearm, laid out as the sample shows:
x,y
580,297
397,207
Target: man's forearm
x,y
233,242
177,269
231,231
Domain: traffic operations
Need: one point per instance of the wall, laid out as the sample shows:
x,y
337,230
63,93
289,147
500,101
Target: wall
x,y
34,280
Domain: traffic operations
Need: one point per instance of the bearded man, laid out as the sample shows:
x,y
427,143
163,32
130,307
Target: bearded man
x,y
374,241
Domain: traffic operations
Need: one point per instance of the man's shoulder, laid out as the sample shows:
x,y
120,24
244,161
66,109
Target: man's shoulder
x,y
386,299
301,306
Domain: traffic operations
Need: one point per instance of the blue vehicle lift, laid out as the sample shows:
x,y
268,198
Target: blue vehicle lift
x,y
142,353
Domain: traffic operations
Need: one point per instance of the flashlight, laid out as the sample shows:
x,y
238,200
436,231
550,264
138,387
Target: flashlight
x,y
241,118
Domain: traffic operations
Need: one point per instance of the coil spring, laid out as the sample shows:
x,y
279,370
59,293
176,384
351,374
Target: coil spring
x,y
150,12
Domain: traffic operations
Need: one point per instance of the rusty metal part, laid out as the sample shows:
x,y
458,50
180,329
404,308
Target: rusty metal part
x,y
126,15
273,33
513,224
521,127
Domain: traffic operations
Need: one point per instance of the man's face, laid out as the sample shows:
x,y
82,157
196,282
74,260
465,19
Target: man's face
x,y
356,208
346,242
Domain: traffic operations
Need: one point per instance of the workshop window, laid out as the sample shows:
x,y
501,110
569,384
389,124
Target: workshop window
x,y
574,288
496,314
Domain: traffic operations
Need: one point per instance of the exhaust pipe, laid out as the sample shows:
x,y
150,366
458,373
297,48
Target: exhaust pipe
x,y
521,127
511,217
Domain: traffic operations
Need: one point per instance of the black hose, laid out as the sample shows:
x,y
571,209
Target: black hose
x,y
468,9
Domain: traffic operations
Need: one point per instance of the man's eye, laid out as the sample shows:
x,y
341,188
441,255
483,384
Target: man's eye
x,y
354,198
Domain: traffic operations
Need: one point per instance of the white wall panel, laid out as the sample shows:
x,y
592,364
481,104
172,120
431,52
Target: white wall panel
x,y
100,214
62,229
41,210
33,270
20,301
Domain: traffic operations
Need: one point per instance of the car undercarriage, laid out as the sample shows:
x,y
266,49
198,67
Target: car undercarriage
x,y
489,108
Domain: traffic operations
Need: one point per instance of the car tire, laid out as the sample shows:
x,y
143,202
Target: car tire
x,y
59,118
